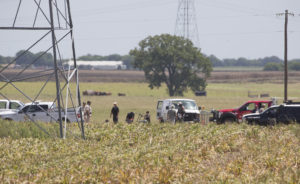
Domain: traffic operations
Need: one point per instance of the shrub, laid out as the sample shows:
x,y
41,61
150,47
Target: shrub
x,y
273,67
294,66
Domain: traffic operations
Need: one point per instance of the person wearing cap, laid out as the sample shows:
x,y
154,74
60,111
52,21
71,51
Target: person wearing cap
x,y
171,115
115,112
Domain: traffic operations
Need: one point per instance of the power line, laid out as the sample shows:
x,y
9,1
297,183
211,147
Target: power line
x,y
124,7
139,36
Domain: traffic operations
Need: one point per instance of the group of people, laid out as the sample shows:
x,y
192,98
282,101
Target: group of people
x,y
114,113
130,117
173,116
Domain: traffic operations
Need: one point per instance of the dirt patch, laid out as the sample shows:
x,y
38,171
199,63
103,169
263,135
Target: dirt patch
x,y
138,76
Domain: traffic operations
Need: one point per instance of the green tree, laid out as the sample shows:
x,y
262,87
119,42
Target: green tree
x,y
273,67
128,60
113,57
44,59
174,61
215,61
294,66
24,59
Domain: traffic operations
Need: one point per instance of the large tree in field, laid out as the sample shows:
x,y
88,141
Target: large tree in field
x,y
174,61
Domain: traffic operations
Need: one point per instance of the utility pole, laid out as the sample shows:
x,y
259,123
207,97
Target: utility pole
x,y
286,14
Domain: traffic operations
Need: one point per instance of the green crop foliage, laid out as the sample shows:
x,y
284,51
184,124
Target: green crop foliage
x,y
152,153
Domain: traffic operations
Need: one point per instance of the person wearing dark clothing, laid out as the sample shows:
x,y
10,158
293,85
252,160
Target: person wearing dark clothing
x,y
180,112
130,117
115,112
147,117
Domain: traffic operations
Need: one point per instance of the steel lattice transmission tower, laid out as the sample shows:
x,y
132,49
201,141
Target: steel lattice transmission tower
x,y
50,24
186,24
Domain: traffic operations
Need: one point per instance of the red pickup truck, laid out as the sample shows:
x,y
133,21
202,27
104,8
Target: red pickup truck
x,y
236,115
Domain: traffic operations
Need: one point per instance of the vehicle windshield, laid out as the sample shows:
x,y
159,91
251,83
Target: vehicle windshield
x,y
272,110
188,105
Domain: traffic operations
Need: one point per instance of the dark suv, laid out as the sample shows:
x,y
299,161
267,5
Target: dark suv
x,y
285,113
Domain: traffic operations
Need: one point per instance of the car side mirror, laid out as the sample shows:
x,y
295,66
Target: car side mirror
x,y
167,107
20,111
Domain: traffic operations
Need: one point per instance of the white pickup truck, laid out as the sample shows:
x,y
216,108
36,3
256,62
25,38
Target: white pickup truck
x,y
40,111
8,105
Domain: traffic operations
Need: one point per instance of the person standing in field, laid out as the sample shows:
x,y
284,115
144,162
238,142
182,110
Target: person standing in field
x,y
82,109
115,112
171,115
87,111
180,112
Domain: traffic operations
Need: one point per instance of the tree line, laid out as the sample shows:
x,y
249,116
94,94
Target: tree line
x,y
42,59
293,65
272,63
22,59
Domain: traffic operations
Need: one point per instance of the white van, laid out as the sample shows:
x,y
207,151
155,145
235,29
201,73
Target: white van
x,y
191,109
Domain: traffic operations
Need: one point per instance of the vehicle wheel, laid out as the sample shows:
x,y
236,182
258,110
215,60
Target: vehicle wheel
x,y
196,120
228,120
250,122
63,120
8,119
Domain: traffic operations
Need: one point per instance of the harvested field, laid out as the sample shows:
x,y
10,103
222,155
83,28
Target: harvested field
x,y
138,76
252,76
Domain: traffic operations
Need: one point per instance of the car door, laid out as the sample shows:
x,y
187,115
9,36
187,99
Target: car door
x,y
41,113
3,105
14,105
166,107
159,109
246,109
23,114
269,116
30,113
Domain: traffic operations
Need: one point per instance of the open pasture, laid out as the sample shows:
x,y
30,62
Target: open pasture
x,y
139,98
155,153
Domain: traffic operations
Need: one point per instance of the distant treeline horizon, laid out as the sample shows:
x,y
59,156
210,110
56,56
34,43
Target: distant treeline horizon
x,y
270,63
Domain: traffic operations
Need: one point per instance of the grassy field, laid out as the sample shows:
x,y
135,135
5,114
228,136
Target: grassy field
x,y
139,98
155,153
219,75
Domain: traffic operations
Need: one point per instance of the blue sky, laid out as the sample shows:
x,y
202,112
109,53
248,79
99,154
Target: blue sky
x,y
227,28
